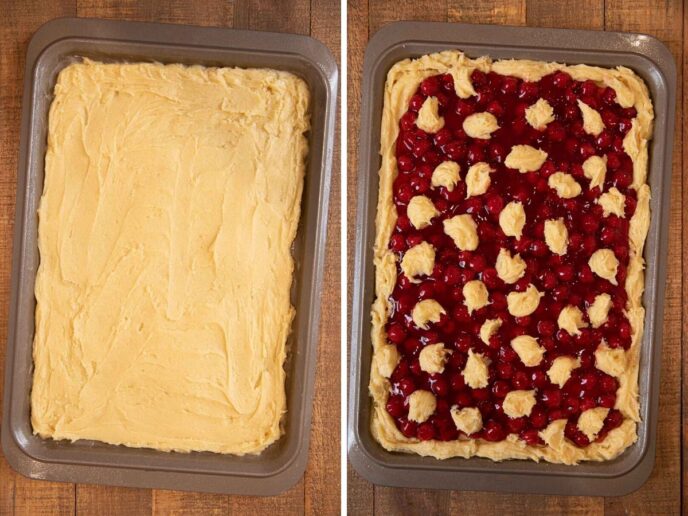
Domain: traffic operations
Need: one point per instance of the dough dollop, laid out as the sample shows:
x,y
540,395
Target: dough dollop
x,y
561,368
432,358
387,357
609,360
525,158
446,174
523,303
603,262
489,328
512,219
421,211
478,179
519,403
540,114
421,405
480,125
475,373
418,260
571,320
591,421
475,295
468,420
510,269
592,121
564,184
429,119
528,350
595,169
613,202
462,82
463,231
599,310
556,236
427,311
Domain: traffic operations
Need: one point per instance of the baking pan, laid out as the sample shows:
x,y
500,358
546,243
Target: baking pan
x,y
652,61
54,46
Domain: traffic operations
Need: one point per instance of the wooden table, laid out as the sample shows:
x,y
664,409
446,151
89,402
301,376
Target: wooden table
x,y
662,494
318,491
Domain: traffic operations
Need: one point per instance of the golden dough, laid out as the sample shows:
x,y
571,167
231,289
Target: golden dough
x,y
171,200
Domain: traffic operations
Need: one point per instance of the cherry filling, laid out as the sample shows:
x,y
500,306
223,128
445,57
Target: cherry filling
x,y
564,280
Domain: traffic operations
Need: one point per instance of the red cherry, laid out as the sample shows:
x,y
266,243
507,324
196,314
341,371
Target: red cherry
x,y
607,400
426,431
395,406
500,389
430,86
528,91
551,398
505,371
493,431
509,85
546,328
396,333
407,386
455,151
416,102
407,427
565,273
531,437
481,394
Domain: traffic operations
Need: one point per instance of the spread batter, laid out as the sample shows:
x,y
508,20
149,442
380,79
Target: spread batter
x,y
171,200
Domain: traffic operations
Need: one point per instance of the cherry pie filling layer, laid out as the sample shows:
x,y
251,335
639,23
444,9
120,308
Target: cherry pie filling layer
x,y
460,345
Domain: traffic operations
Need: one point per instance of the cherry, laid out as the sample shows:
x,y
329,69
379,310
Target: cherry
x,y
396,333
426,431
493,431
551,398
395,406
407,427
430,86
416,102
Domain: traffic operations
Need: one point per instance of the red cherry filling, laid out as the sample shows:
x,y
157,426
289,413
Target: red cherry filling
x,y
564,280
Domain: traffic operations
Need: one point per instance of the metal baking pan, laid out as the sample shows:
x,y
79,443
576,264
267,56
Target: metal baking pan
x,y
54,46
652,61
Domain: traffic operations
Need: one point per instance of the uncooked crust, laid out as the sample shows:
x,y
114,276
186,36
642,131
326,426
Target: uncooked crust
x,y
171,199
402,81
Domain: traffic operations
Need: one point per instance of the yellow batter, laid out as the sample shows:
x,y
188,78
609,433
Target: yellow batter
x,y
171,200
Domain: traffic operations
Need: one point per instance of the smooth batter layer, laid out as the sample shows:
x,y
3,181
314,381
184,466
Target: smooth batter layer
x,y
402,82
171,200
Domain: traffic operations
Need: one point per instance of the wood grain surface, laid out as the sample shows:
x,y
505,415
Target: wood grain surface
x,y
662,494
319,490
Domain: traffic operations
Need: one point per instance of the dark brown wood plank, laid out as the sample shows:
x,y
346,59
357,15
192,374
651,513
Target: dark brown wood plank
x,y
382,12
275,16
565,14
195,12
111,501
662,493
511,12
178,503
683,100
322,482
360,493
19,21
